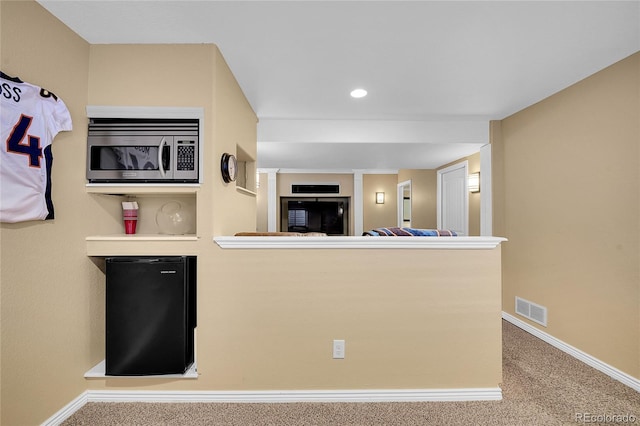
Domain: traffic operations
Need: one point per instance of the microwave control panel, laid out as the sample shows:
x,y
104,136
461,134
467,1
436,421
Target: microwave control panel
x,y
186,155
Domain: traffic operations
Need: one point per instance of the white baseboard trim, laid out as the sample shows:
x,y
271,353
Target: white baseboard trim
x,y
601,366
66,411
391,395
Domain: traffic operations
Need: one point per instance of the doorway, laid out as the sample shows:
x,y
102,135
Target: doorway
x,y
404,204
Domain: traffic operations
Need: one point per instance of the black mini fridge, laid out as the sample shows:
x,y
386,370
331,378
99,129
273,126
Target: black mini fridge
x,y
150,315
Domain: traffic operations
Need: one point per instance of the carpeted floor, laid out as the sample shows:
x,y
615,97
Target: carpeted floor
x,y
542,386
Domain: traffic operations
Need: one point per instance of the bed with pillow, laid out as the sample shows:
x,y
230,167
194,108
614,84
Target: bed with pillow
x,y
408,232
280,234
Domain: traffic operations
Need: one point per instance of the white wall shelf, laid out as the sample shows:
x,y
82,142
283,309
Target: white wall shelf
x,y
143,237
98,372
138,189
245,191
141,244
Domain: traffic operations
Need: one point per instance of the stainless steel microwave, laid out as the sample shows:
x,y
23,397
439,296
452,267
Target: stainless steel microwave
x,y
129,150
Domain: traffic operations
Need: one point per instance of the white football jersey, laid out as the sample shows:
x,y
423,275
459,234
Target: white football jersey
x,y
30,118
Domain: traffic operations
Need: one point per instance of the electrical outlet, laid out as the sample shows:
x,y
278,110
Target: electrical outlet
x,y
338,349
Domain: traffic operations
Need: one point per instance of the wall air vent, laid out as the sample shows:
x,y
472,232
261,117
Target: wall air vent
x,y
315,189
532,311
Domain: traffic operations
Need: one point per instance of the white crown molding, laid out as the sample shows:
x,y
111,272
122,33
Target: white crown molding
x,y
599,365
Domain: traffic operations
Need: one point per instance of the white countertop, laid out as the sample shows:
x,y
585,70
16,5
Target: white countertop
x,y
342,242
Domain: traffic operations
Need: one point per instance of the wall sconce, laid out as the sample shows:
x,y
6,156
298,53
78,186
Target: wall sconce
x,y
474,182
379,197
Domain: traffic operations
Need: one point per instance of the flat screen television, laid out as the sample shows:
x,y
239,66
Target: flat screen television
x,y
315,214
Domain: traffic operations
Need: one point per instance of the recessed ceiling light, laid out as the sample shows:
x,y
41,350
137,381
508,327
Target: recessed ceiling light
x,y
358,93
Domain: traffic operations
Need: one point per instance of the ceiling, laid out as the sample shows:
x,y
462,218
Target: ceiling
x,y
436,71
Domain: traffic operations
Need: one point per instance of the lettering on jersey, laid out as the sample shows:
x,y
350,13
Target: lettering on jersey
x,y
10,92
16,141
47,94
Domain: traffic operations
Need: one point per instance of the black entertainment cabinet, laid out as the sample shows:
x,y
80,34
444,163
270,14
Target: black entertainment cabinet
x,y
315,214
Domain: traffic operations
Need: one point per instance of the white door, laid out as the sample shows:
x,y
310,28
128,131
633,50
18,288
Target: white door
x,y
453,198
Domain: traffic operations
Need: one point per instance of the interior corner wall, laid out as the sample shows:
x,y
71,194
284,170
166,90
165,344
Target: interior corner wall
x,y
235,128
571,178
48,284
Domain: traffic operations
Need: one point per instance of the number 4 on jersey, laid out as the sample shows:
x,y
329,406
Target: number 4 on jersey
x,y
17,144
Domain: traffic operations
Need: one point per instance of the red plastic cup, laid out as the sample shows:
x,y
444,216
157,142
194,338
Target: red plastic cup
x,y
130,226
130,221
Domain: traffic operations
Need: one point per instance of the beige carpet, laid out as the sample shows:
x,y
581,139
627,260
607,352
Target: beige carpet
x,y
542,386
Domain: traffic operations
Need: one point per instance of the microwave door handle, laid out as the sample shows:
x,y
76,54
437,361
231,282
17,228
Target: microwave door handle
x,y
163,142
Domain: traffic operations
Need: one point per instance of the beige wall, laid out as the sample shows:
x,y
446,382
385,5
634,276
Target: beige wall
x,y
379,215
49,286
276,321
571,211
423,197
